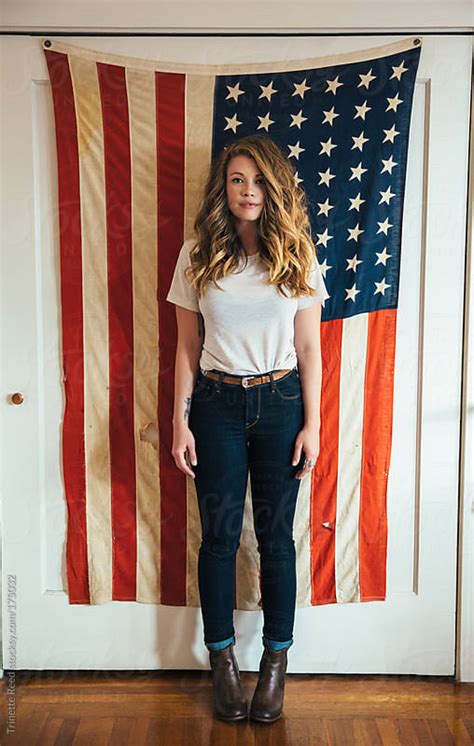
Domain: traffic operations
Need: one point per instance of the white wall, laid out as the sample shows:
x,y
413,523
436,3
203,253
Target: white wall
x,y
266,15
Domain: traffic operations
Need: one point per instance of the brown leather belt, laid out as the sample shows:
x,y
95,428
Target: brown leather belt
x,y
246,381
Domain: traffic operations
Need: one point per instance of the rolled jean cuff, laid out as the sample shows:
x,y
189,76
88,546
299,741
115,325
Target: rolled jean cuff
x,y
276,644
221,644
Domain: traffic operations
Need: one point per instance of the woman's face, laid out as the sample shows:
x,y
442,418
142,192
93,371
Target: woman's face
x,y
245,188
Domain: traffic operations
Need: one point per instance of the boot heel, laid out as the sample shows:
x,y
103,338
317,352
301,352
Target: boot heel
x,y
229,699
267,701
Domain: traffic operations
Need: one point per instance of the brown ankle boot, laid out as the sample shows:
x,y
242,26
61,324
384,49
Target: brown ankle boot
x,y
229,700
267,701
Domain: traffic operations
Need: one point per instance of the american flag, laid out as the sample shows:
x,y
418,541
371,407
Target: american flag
x,y
134,138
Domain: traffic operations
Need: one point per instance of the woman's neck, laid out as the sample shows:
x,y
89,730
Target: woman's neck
x,y
248,238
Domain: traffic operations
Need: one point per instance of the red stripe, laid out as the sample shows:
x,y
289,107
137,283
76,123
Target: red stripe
x,y
376,451
324,477
113,92
170,144
72,325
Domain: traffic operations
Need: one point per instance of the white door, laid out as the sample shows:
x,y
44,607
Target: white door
x,y
414,630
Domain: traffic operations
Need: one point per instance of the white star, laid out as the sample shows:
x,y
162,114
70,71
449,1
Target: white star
x,y
362,110
232,123
234,92
352,263
388,165
329,116
323,238
354,233
297,179
390,134
357,171
356,202
359,141
268,91
333,85
327,147
297,119
382,256
366,79
324,266
386,196
394,102
265,122
295,151
381,287
398,71
324,207
300,89
351,292
384,226
326,177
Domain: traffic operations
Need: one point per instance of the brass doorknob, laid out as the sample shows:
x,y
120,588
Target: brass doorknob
x,y
17,398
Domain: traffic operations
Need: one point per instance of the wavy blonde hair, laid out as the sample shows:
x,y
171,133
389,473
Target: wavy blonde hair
x,y
283,228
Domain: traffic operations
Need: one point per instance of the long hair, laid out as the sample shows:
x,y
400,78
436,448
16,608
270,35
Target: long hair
x,y
283,227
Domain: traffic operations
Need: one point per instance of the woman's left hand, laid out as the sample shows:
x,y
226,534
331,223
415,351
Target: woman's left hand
x,y
307,441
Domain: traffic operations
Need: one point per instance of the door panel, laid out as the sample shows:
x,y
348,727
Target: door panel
x,y
413,631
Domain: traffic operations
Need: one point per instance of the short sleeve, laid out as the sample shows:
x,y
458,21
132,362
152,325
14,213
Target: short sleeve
x,y
316,281
181,293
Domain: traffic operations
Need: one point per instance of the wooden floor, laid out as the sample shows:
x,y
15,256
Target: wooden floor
x,y
175,708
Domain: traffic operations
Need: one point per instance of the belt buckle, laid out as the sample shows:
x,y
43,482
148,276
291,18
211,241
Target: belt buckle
x,y
245,381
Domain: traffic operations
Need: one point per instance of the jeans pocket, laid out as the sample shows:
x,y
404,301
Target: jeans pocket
x,y
204,390
289,387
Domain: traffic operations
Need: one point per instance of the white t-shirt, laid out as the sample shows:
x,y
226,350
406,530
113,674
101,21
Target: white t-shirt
x,y
249,325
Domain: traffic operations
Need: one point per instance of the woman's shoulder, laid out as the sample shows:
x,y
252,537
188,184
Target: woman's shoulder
x,y
187,247
189,243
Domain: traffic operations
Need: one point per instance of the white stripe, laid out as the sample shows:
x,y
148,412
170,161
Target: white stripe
x,y
141,100
302,537
351,422
238,68
198,141
96,336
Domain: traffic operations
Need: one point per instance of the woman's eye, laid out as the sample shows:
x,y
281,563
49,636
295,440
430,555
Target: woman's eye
x,y
237,178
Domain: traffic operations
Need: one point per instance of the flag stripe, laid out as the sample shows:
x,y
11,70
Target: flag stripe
x,y
325,472
198,102
170,110
199,112
141,96
378,418
119,282
69,200
95,315
351,409
302,537
344,58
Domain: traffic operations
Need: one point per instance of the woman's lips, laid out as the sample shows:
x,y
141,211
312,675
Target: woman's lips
x,y
249,206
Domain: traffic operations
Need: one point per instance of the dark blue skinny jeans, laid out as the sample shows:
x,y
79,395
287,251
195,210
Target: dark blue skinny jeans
x,y
237,430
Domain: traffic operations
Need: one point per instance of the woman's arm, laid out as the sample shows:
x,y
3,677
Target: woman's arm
x,y
190,326
188,351
308,351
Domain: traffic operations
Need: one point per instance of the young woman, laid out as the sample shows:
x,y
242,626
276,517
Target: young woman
x,y
248,293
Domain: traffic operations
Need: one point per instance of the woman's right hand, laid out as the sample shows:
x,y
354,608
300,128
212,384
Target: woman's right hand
x,y
184,445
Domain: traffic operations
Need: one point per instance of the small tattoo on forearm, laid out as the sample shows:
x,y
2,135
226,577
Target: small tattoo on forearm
x,y
188,407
